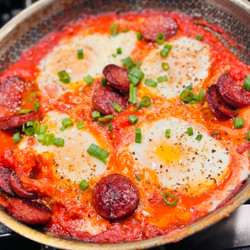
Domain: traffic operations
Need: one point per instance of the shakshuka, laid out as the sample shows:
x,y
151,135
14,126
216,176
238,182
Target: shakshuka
x,y
123,127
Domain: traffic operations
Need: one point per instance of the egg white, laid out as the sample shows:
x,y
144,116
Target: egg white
x,y
72,160
188,65
98,52
181,162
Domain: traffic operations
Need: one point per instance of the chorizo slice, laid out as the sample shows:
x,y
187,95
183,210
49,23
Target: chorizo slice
x,y
16,121
115,196
11,92
103,97
117,77
5,180
159,24
18,189
217,105
31,213
235,96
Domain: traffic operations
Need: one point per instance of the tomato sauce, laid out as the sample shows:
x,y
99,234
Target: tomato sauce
x,y
70,205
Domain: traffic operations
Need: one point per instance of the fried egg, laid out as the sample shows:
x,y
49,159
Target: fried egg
x,y
72,160
188,65
99,50
182,162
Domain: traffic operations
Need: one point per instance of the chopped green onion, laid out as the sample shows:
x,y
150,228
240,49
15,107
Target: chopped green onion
x,y
198,137
29,131
127,62
138,177
118,51
41,129
98,152
114,55
201,95
151,83
195,98
24,111
117,107
80,54
186,95
167,133
95,115
138,136
189,87
215,132
32,97
104,82
137,64
114,30
110,127
133,119
132,93
80,124
36,105
139,36
136,110
160,38
105,120
125,30
162,78
167,48
59,142
145,101
83,185
135,75
248,135
199,37
17,137
88,79
246,84
66,122
47,139
238,123
190,131
64,77
167,194
165,66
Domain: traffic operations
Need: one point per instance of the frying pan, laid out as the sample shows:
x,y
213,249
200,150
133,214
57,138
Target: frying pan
x,y
46,15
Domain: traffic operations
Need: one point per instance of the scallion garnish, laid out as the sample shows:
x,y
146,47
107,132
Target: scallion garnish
x,y
17,137
151,83
165,66
83,185
137,177
32,97
248,135
117,107
137,64
162,78
199,37
104,82
188,96
95,115
167,194
41,129
98,152
246,84
160,38
145,101
24,111
167,133
135,75
114,55
80,54
215,132
201,95
105,120
132,93
238,123
190,131
189,87
114,29
139,36
110,127
118,51
125,30
133,119
198,137
88,79
138,136
66,122
59,142
64,77
127,62
36,105
46,139
30,131
80,124
167,48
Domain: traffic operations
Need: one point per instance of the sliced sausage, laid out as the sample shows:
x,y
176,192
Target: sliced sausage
x,y
159,24
16,121
11,92
117,77
103,98
217,105
115,196
18,189
29,212
233,95
5,180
